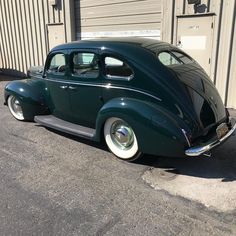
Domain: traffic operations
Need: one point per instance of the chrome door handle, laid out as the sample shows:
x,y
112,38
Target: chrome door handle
x,y
63,86
72,88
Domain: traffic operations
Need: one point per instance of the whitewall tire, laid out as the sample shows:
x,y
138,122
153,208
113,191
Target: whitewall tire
x,y
15,107
121,139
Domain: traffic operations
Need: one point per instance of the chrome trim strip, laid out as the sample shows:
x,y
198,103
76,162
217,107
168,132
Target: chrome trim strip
x,y
104,86
126,78
186,137
198,150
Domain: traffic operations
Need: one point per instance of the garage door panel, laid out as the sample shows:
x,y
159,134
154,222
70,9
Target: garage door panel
x,y
121,10
92,3
140,19
107,28
118,18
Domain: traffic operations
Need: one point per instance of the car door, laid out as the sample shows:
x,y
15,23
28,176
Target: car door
x,y
85,87
57,84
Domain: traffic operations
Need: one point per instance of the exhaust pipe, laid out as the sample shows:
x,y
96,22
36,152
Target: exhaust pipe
x,y
207,154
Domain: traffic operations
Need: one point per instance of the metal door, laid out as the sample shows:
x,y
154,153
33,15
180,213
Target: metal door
x,y
56,35
85,88
194,36
57,84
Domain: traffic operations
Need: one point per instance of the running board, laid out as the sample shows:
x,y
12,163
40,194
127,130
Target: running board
x,y
53,122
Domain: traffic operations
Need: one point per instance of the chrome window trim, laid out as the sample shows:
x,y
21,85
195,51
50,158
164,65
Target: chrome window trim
x,y
122,78
84,76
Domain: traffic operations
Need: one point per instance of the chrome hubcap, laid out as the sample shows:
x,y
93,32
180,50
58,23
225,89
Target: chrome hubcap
x,y
122,135
15,104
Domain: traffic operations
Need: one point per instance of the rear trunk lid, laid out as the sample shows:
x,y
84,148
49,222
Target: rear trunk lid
x,y
206,101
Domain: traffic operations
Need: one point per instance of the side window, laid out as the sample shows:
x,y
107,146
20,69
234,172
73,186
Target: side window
x,y
115,68
168,59
85,64
57,64
174,58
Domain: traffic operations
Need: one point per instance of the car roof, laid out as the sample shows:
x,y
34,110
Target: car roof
x,y
115,41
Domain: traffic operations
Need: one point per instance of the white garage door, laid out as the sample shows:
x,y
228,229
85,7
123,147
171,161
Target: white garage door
x,y
118,18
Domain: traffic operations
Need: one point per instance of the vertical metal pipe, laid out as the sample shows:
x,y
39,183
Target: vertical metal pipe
x,y
53,14
40,34
1,47
208,5
172,22
24,44
44,26
36,36
184,6
232,38
15,36
14,48
31,33
64,18
28,29
218,41
3,38
20,49
49,20
9,34
5,41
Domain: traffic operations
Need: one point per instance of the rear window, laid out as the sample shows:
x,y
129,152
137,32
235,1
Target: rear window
x,y
173,58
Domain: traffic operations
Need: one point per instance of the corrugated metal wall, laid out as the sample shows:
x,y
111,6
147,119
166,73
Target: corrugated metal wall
x,y
24,38
147,17
118,18
223,71
23,32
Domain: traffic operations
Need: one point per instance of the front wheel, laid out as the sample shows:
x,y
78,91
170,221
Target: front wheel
x,y
15,107
121,139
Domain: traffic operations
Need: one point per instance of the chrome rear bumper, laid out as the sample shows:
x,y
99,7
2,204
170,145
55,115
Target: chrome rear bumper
x,y
206,147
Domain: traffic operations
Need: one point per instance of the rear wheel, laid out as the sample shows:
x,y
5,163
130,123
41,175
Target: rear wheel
x,y
121,139
15,107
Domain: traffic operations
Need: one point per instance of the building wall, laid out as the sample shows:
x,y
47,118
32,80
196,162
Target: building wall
x,y
23,31
107,18
25,27
158,19
223,59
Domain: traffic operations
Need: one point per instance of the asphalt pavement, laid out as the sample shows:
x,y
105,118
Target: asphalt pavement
x,y
56,184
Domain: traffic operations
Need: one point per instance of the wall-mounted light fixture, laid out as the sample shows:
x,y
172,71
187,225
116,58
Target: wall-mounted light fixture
x,y
197,6
196,2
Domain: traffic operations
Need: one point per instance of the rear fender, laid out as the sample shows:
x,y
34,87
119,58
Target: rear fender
x,y
156,130
31,94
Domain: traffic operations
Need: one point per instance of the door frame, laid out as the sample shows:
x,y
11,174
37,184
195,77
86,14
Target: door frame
x,y
212,53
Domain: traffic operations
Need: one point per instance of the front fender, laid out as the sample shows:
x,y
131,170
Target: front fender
x,y
31,93
158,132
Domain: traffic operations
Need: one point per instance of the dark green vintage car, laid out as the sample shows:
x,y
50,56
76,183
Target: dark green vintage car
x,y
140,95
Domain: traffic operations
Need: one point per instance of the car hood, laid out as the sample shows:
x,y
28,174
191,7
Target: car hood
x,y
207,104
35,71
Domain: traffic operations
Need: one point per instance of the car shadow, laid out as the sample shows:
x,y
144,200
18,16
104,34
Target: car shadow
x,y
221,165
101,145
